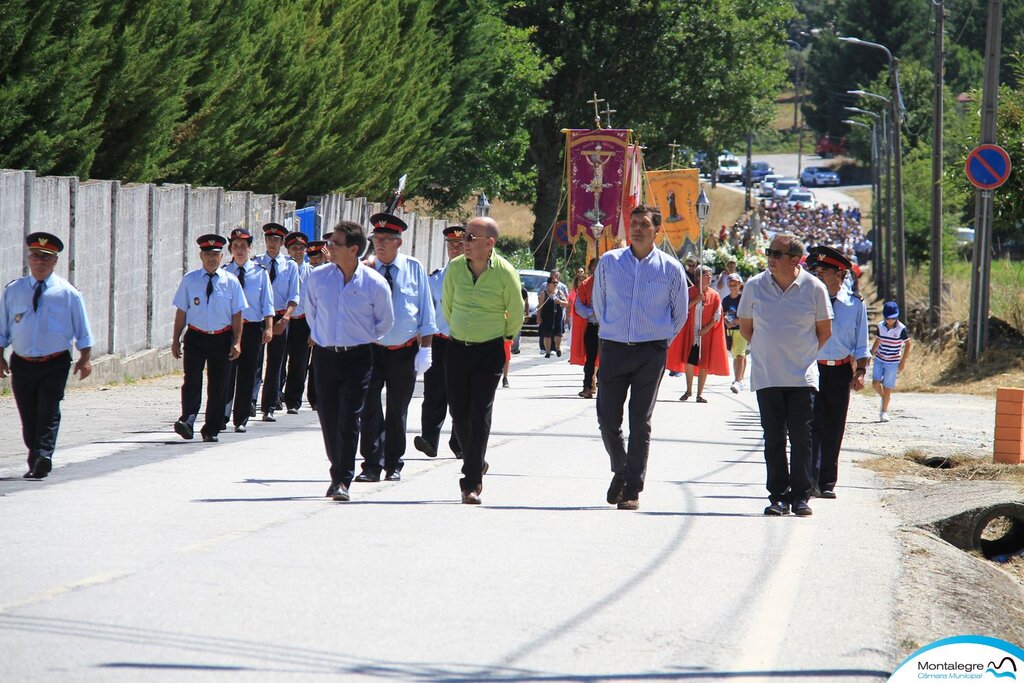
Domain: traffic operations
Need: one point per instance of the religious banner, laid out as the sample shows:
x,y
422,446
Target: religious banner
x,y
632,194
596,166
675,195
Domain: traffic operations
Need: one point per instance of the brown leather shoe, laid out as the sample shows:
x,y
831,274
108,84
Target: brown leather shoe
x,y
633,504
470,498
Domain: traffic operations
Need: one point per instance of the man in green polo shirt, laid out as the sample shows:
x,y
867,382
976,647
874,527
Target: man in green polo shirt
x,y
483,304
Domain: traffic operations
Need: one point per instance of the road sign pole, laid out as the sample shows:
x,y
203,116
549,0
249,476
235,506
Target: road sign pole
x,y
982,263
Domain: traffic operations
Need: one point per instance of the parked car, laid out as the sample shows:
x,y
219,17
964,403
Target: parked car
x,y
801,196
767,186
816,176
729,170
533,280
782,187
757,171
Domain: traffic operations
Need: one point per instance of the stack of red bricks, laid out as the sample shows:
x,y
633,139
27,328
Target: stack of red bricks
x,y
1009,441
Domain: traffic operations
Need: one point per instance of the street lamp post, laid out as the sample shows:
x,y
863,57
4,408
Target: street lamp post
x,y
895,145
876,180
798,128
884,247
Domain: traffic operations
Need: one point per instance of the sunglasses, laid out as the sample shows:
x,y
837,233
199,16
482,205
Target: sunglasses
x,y
470,237
776,254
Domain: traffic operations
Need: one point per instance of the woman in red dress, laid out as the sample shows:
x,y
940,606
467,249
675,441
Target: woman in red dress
x,y
704,353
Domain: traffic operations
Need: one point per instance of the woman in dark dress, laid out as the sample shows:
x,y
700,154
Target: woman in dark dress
x,y
551,307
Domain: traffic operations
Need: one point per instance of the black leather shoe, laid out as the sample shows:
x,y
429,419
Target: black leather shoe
x,y
393,476
615,489
269,417
341,494
777,509
802,509
241,429
815,492
630,504
252,409
470,498
483,470
293,411
210,438
827,494
423,447
365,477
41,468
182,429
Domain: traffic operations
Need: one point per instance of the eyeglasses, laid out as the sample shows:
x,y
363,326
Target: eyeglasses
x,y
776,254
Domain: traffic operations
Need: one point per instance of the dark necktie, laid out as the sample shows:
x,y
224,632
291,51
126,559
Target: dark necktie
x,y
209,286
241,276
387,276
39,292
273,269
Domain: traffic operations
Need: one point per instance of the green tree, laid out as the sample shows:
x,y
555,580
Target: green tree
x,y
702,72
51,53
142,91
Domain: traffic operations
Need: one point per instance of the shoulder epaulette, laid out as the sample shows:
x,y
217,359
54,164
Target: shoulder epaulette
x,y
11,282
436,271
857,296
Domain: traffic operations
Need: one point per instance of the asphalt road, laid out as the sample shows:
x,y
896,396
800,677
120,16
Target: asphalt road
x,y
144,557
787,164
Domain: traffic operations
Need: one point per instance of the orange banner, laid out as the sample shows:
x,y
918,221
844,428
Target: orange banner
x,y
675,195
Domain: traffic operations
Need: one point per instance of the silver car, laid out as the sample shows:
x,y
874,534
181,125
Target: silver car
x,y
532,280
782,187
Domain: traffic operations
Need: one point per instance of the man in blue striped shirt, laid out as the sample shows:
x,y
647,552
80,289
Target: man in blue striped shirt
x,y
641,302
348,308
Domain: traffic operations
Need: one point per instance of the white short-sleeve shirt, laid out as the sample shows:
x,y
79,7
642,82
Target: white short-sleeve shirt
x,y
784,346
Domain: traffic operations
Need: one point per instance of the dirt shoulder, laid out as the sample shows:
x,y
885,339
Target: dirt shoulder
x,y
943,591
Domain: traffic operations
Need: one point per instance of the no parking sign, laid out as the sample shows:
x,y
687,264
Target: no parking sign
x,y
988,166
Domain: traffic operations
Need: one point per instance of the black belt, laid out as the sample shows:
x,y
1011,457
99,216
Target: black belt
x,y
345,349
653,342
498,340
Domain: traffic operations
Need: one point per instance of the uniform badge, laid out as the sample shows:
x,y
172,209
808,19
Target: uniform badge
x,y
196,301
17,317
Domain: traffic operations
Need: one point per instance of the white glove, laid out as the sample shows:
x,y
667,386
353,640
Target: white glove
x,y
423,360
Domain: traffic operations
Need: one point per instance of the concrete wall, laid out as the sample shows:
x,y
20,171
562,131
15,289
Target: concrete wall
x,y
13,206
166,256
94,226
130,258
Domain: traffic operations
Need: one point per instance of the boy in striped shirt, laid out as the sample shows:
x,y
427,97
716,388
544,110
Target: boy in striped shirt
x,y
890,351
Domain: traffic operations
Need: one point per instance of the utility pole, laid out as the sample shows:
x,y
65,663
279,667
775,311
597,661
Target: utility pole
x,y
977,340
897,166
746,173
935,271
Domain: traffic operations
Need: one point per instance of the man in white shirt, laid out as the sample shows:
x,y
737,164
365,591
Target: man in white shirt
x,y
788,310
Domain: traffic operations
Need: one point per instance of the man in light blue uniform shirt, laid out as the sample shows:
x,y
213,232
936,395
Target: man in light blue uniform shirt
x,y
257,323
348,308
209,301
435,396
399,355
293,378
641,302
41,317
284,283
842,366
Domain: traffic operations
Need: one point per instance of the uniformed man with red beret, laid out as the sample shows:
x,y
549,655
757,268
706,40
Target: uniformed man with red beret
x,y
399,355
209,303
842,366
296,359
284,283
41,317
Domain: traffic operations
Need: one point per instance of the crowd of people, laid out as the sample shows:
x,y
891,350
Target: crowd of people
x,y
316,316
823,225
